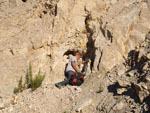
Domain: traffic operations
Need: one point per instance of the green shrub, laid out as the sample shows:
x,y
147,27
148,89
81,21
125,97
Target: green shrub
x,y
16,90
20,86
37,81
30,82
29,76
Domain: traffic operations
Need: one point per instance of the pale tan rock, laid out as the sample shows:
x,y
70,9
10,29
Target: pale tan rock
x,y
113,1
121,90
38,33
82,104
119,106
144,86
140,92
131,73
124,84
145,67
148,79
148,56
2,106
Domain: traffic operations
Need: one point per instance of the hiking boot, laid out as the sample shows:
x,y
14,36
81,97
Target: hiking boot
x,y
58,85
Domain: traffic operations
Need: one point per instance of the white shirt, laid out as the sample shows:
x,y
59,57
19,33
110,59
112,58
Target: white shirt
x,y
69,66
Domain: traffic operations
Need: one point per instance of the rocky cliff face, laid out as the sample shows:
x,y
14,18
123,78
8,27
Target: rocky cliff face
x,y
42,31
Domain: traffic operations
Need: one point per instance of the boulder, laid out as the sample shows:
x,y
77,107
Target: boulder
x,y
41,31
121,90
119,106
141,93
123,84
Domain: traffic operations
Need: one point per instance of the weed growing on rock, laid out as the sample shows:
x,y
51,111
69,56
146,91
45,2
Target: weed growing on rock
x,y
29,76
37,81
20,86
30,82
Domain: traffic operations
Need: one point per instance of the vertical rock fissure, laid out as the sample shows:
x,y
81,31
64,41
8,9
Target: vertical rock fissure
x,y
90,44
101,54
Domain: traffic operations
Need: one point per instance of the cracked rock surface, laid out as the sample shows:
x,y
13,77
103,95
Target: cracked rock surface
x,y
113,34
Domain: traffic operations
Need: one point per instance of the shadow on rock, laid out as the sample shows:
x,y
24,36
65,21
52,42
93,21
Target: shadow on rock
x,y
147,101
113,88
129,92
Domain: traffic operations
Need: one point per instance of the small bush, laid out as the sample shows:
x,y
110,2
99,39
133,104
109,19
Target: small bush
x,y
30,75
16,90
37,81
20,86
30,82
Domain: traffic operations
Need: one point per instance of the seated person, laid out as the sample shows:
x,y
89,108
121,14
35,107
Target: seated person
x,y
71,68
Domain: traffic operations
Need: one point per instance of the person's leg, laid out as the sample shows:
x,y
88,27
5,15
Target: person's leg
x,y
66,81
69,74
63,83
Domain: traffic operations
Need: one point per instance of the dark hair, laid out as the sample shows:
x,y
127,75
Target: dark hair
x,y
77,52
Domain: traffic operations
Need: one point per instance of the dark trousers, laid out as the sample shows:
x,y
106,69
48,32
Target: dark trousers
x,y
68,77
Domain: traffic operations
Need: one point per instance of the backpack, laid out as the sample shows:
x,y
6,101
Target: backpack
x,y
76,79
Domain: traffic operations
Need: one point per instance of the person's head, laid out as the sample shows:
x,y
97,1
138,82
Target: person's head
x,y
78,55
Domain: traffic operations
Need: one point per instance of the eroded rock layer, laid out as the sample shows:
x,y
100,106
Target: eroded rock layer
x,y
42,31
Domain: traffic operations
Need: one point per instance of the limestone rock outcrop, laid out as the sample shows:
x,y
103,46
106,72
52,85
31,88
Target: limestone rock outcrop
x,y
42,31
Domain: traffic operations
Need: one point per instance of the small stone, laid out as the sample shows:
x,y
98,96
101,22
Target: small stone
x,y
137,87
30,106
91,90
141,96
121,90
121,72
99,76
119,106
2,106
131,73
144,86
14,100
148,55
148,79
143,44
71,98
145,67
10,110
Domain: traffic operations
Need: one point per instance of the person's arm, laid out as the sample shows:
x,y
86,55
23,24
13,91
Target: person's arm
x,y
82,62
75,67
